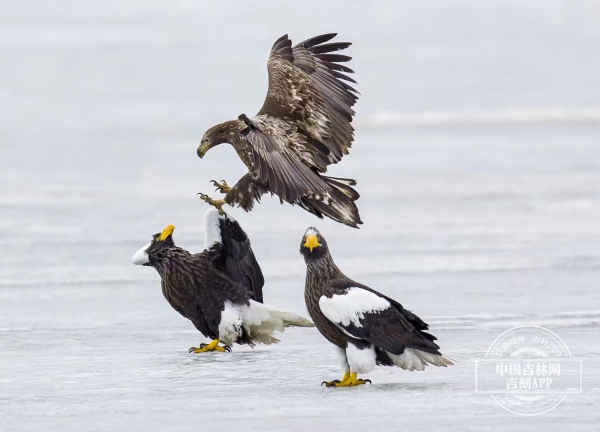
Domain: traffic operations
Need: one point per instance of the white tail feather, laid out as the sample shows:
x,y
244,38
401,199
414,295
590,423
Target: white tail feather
x,y
260,321
415,360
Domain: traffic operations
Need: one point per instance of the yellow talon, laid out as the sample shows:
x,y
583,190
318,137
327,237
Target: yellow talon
x,y
334,382
218,204
222,187
349,380
213,346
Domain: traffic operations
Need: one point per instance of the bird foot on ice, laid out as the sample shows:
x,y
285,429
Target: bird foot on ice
x,y
218,204
334,382
349,380
213,346
222,187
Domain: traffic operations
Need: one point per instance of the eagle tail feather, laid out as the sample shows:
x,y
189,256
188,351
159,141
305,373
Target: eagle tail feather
x,y
413,359
261,321
339,205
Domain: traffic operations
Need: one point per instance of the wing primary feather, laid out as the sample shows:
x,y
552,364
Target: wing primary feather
x,y
344,77
283,48
287,53
280,42
333,57
336,46
336,66
317,40
311,93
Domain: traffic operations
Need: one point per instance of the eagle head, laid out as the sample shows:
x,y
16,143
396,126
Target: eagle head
x,y
219,134
157,248
313,245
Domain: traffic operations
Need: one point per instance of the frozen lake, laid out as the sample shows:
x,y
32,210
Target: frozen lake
x,y
477,223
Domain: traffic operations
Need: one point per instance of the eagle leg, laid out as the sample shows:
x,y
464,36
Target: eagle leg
x,y
218,204
222,187
334,382
213,346
350,381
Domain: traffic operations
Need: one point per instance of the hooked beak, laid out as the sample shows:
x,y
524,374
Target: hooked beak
x,y
202,149
166,233
311,242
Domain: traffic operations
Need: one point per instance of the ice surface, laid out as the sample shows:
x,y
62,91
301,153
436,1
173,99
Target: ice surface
x,y
475,227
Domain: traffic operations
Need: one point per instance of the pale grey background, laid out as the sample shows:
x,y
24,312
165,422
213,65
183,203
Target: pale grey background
x,y
479,223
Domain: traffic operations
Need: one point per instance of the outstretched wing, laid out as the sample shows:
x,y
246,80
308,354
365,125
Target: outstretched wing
x,y
363,313
228,246
308,89
277,159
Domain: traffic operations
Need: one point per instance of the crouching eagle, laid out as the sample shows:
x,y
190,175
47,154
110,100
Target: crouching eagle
x,y
367,327
303,126
219,289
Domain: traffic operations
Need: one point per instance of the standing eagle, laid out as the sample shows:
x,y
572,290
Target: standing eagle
x,y
303,126
219,289
366,326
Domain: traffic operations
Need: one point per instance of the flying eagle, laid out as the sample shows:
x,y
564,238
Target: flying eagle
x,y
219,289
303,127
366,326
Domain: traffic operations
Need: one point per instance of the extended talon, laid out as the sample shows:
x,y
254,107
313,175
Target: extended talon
x,y
349,380
222,187
334,382
213,346
218,204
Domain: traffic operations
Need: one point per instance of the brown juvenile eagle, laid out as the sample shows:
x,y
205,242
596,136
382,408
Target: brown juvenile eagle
x,y
220,289
303,126
367,327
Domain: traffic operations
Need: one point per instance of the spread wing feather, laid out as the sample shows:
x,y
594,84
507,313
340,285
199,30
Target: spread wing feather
x,y
278,164
308,90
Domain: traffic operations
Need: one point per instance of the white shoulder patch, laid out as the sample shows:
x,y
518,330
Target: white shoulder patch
x,y
351,307
212,228
141,257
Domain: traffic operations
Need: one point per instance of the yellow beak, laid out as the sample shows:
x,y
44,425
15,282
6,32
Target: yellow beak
x,y
312,242
202,149
168,231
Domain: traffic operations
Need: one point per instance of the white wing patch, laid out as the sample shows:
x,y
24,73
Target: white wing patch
x,y
351,307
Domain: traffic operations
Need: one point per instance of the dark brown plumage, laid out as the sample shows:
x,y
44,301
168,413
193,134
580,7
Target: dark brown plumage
x,y
367,327
214,289
180,273
303,126
194,286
